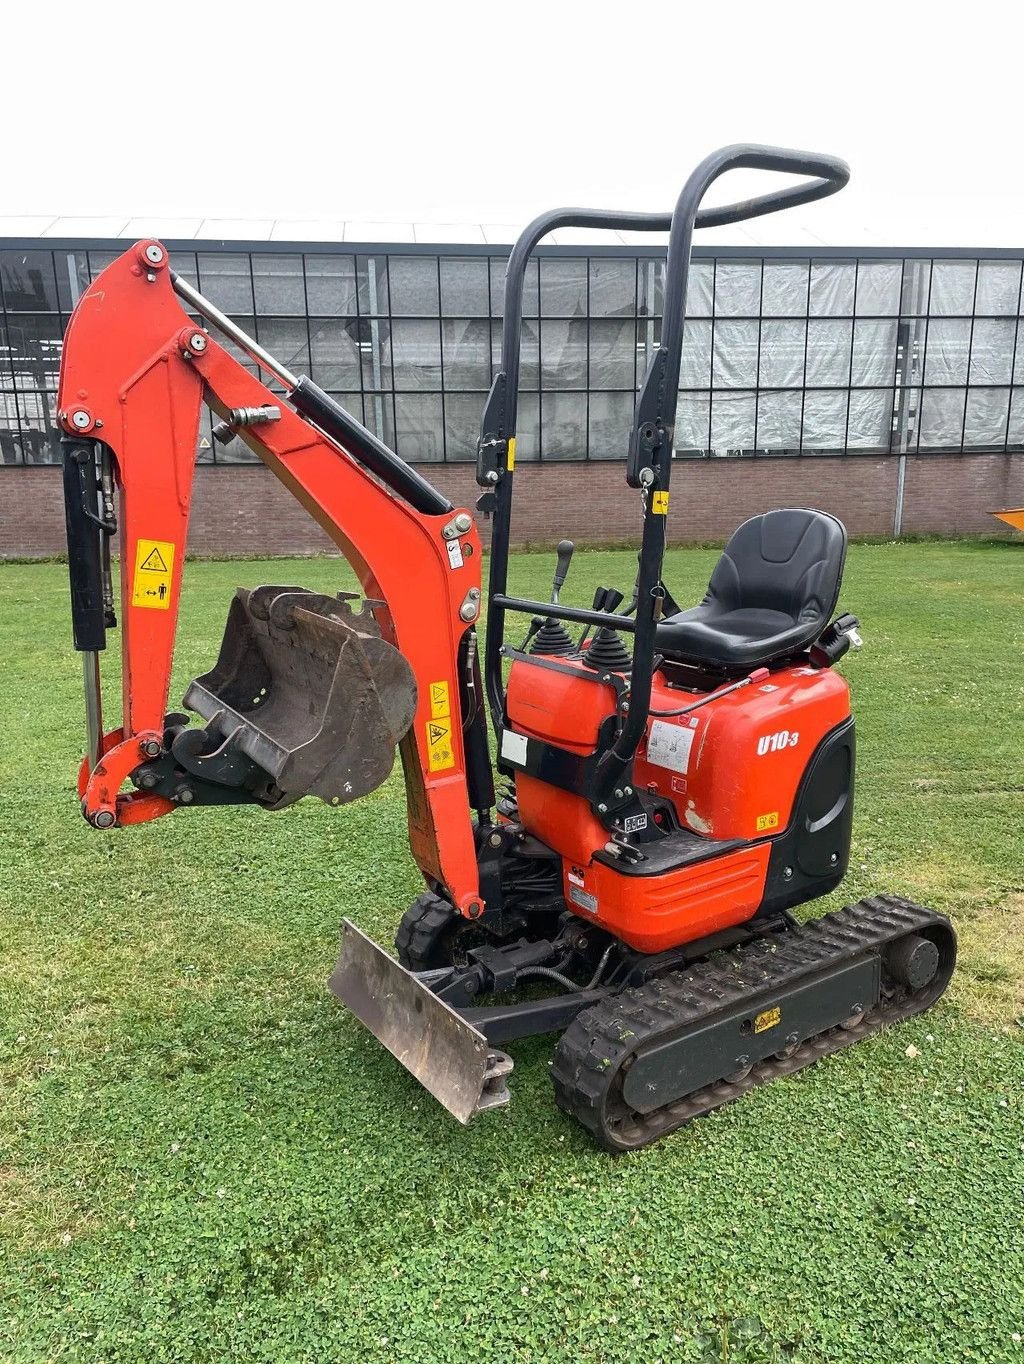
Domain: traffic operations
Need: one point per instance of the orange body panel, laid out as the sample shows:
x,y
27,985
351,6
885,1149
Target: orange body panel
x,y
732,770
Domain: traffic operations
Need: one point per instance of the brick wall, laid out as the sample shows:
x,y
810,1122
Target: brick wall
x,y
244,510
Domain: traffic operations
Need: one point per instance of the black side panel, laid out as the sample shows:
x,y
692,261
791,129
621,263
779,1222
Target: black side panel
x,y
811,857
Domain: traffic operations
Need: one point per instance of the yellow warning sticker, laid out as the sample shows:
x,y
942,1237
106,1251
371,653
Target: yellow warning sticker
x,y
440,752
659,503
770,1018
510,462
154,564
769,821
439,703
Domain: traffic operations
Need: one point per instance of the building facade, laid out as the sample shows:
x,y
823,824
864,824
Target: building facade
x,y
886,384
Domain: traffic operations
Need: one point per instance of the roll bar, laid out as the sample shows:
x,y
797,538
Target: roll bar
x,y
649,454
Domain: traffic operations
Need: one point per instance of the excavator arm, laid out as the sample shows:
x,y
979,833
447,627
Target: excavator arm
x,y
308,695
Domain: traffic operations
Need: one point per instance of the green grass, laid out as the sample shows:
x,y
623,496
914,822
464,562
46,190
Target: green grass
x,y
203,1157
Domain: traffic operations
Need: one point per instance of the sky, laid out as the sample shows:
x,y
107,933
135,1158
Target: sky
x,y
447,112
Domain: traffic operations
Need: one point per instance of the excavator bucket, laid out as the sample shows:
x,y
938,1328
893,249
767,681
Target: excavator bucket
x,y
307,689
449,1057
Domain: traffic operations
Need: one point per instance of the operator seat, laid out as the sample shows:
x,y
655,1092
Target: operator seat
x,y
772,593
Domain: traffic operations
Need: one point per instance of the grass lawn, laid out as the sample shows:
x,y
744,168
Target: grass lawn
x,y
203,1157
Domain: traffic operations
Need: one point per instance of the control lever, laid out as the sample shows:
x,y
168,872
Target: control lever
x,y
564,551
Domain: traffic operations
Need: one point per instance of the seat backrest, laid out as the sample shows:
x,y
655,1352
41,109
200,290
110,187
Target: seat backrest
x,y
790,560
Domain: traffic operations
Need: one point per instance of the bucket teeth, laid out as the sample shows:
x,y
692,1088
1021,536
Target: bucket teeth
x,y
309,691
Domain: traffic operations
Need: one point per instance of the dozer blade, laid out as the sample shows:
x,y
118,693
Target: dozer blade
x,y
306,688
445,1053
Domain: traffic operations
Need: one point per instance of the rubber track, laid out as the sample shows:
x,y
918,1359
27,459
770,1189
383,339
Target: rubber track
x,y
598,1045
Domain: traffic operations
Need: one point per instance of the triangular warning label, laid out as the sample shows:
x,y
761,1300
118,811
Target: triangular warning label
x,y
153,562
438,732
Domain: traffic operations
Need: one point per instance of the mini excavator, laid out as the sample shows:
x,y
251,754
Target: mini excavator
x,y
673,782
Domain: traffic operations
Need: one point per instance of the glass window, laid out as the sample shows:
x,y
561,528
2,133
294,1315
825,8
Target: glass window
x,y
10,438
784,288
1018,356
99,260
414,286
416,353
28,281
778,421
563,355
651,285
565,426
878,287
693,421
992,350
529,352
563,287
379,416
225,279
832,287
287,340
464,286
278,285
466,344
528,427
611,416
372,285
37,417
331,285
952,292
824,425
987,412
874,351
700,289
462,413
34,340
613,352
942,418
735,355
73,277
336,346
917,275
531,288
782,354
870,423
6,373
612,287
947,351
419,427
1015,431
733,417
829,342
695,364
737,288
998,289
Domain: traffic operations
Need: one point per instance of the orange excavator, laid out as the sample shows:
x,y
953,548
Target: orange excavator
x,y
673,782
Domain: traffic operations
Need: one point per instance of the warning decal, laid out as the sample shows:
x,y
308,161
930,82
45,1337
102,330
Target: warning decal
x,y
154,563
440,752
440,706
768,821
770,1018
669,746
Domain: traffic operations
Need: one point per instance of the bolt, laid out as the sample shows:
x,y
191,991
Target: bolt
x,y
467,611
742,1061
602,809
185,795
197,341
787,873
463,521
492,477
833,858
618,793
628,790
149,748
475,910
147,780
154,253
103,819
495,840
80,419
473,594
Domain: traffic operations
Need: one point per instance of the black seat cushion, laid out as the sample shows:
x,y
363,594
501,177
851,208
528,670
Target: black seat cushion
x,y
772,593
